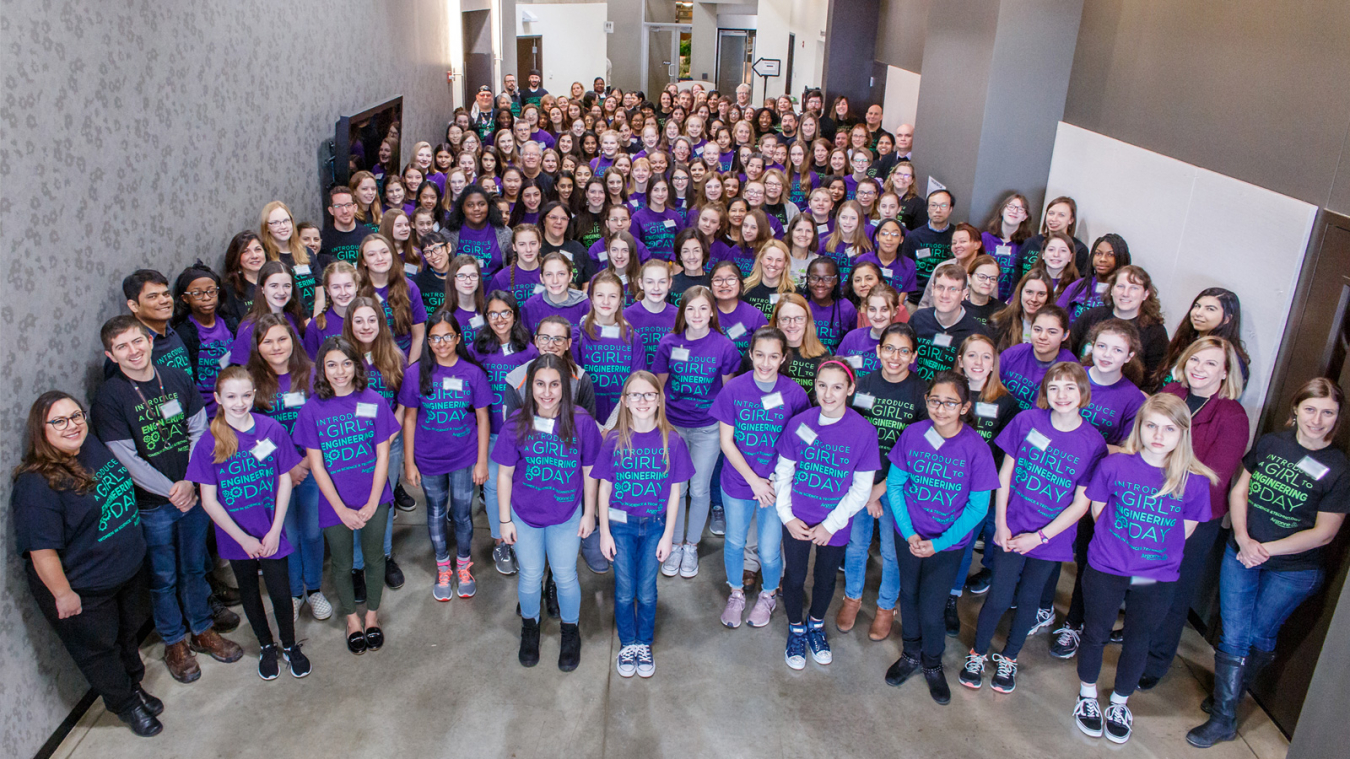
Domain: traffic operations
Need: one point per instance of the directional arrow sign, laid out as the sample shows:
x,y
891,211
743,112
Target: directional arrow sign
x,y
767,67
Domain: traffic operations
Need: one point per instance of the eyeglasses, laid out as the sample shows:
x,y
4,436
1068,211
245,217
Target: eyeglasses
x,y
792,320
935,403
939,206
436,249
888,233
442,339
500,315
888,351
642,396
343,206
60,423
466,277
209,292
985,278
279,223
820,279
724,281
549,340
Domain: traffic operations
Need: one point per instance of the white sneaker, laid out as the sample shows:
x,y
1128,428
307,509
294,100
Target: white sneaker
x,y
671,566
296,603
689,562
319,606
627,661
646,665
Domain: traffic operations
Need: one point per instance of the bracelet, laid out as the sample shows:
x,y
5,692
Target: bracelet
x,y
1044,539
504,521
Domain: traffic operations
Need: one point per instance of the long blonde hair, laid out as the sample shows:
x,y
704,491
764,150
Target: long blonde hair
x,y
624,426
785,283
811,345
588,321
297,250
1181,461
1231,387
375,211
337,267
227,443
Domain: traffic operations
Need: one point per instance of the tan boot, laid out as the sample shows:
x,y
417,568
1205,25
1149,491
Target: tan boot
x,y
881,624
181,662
848,614
220,649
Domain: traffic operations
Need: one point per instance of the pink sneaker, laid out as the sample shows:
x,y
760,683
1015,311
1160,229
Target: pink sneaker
x,y
764,606
731,616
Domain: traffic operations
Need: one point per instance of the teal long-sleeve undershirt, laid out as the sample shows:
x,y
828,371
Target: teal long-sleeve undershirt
x,y
977,506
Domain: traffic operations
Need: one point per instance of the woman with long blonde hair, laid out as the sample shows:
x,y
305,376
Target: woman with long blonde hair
x,y
281,242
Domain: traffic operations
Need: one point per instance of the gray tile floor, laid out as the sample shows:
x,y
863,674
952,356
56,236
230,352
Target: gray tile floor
x,y
447,682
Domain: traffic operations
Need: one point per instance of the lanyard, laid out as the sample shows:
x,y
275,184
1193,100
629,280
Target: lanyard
x,y
137,387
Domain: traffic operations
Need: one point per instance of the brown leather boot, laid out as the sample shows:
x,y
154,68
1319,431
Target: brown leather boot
x,y
220,649
181,663
881,624
848,614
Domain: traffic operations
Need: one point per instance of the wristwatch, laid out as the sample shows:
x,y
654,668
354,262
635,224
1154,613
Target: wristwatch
x,y
1041,535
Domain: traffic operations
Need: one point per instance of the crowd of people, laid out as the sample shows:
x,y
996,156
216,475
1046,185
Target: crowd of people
x,y
630,323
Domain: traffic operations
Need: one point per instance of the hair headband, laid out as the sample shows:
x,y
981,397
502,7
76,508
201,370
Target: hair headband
x,y
842,365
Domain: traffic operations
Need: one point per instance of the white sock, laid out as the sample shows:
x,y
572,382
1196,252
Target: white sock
x,y
1116,698
1087,690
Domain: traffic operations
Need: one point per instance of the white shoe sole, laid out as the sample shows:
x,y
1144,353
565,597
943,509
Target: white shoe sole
x,y
670,572
1086,731
625,674
1039,626
795,666
687,575
439,599
647,674
822,660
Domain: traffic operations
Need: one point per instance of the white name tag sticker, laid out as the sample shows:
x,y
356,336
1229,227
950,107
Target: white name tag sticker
x,y
854,361
634,203
291,400
887,273
538,289
565,252
923,253
379,297
1100,288
807,434
942,340
864,401
679,354
452,383
772,400
410,270
822,229
736,330
669,223
933,438
774,298
1312,467
986,410
367,410
370,357
507,349
170,408
611,331
224,361
263,449
1037,439
302,269
618,515
477,322
544,425
604,255
1003,250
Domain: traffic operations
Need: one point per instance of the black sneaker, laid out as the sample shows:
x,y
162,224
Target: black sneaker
x,y
1118,636
298,662
1005,679
223,620
268,668
902,670
1148,682
978,583
393,576
529,642
1066,642
972,674
1119,723
1087,714
359,585
403,501
569,653
951,618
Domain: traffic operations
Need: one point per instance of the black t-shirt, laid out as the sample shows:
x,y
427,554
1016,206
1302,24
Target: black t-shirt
x,y
927,248
802,370
682,282
307,277
343,246
913,212
1153,337
765,298
121,414
97,535
989,419
168,350
1289,485
890,407
532,97
583,268
938,347
985,314
432,286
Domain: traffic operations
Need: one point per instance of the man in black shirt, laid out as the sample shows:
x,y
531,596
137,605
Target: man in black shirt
x,y
342,240
150,418
943,327
149,300
535,92
931,244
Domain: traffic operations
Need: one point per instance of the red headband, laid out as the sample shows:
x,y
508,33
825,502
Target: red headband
x,y
842,365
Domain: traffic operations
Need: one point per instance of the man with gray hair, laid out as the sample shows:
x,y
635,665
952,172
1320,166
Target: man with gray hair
x,y
531,165
742,95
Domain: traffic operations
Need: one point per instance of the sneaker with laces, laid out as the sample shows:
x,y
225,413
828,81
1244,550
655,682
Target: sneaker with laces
x,y
441,591
731,616
1087,714
1066,642
815,638
646,665
1005,679
978,583
795,655
296,603
299,663
717,521
467,587
319,605
627,661
1119,723
972,674
268,668
503,559
689,561
763,609
1045,619
671,566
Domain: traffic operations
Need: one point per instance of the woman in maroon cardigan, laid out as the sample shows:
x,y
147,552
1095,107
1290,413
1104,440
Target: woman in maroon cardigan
x,y
1209,376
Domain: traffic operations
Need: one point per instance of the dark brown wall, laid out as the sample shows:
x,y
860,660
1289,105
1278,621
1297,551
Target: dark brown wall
x,y
901,28
849,50
1248,88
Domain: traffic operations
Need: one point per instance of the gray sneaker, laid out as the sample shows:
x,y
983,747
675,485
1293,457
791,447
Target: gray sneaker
x,y
671,566
467,587
504,559
717,524
442,591
731,616
319,605
763,609
627,661
689,561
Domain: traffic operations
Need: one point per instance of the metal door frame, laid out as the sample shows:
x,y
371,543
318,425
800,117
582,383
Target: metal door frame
x,y
647,28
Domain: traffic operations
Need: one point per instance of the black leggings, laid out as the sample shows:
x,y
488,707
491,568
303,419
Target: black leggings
x,y
1015,576
1086,528
276,574
925,585
1145,607
796,555
1199,546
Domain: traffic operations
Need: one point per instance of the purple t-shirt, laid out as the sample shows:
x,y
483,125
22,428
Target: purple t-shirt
x,y
1051,465
600,255
696,369
547,485
941,479
609,358
246,483
899,274
216,342
375,381
860,343
743,257
469,324
834,321
1021,372
537,307
643,472
758,419
1005,253
1083,294
315,335
482,245
827,457
447,425
243,341
651,327
1140,534
286,405
347,430
525,285
740,325
1112,408
657,230
419,314
497,365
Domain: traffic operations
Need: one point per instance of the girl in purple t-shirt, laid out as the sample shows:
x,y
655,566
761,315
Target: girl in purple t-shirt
x,y
938,488
466,289
444,402
833,314
242,464
382,279
341,282
1022,366
652,316
1113,366
546,499
1051,453
1147,500
521,278
609,349
557,299
827,459
859,346
640,468
276,295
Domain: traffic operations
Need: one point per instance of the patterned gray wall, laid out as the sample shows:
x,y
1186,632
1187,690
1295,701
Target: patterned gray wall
x,y
147,134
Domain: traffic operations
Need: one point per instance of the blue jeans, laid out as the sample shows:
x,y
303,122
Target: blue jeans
x,y
395,469
490,494
987,532
739,512
715,484
455,490
175,544
635,568
304,535
557,545
855,558
704,448
1254,603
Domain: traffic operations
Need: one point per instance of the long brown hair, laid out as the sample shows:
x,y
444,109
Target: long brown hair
x,y
623,428
372,213
384,352
566,428
265,381
400,295
261,308
993,385
1007,323
62,472
227,442
409,254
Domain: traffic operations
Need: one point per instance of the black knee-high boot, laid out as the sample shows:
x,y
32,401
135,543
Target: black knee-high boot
x,y
1228,689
